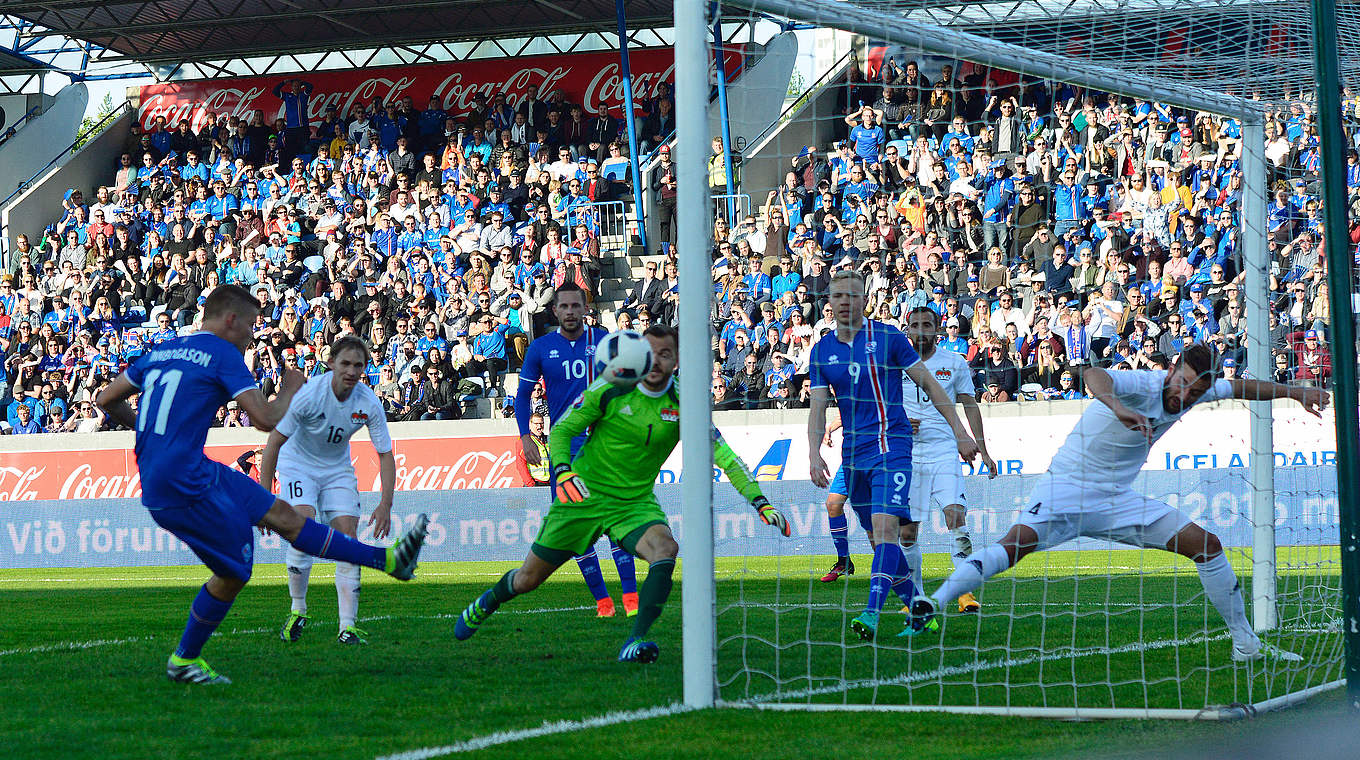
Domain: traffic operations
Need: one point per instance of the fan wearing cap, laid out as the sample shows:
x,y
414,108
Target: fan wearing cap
x,y
1313,360
1088,490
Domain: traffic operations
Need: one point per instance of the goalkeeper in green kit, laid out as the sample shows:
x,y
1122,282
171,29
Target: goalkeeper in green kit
x,y
607,489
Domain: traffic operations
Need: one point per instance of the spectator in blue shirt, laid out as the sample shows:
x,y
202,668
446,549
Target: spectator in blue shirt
x,y
488,354
24,422
296,121
867,138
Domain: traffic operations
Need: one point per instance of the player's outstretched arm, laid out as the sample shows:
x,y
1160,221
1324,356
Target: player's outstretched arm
x,y
974,415
265,415
1100,386
1313,400
817,402
925,380
746,484
113,400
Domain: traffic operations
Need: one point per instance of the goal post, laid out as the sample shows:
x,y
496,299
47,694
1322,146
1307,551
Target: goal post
x,y
1327,68
694,235
1095,632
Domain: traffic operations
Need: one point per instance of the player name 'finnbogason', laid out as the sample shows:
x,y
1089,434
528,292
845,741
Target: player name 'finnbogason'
x,y
192,355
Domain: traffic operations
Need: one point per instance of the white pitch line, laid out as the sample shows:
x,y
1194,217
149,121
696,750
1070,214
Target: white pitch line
x,y
613,718
72,646
1067,653
548,728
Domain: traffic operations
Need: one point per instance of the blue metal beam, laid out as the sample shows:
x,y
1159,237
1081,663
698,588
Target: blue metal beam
x,y
722,109
634,160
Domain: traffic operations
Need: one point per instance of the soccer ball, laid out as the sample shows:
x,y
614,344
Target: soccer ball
x,y
623,358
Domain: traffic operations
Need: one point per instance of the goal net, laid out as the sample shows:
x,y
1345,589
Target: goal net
x,y
1067,187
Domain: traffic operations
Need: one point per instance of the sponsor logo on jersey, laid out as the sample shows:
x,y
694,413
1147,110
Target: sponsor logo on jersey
x,y
553,354
670,415
627,410
359,418
833,359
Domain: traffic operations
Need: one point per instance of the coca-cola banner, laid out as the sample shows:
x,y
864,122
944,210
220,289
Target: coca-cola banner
x,y
591,79
423,464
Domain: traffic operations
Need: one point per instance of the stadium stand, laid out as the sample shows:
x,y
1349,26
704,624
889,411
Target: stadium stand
x,y
1052,228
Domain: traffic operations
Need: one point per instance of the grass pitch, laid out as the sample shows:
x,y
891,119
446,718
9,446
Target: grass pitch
x,y
82,656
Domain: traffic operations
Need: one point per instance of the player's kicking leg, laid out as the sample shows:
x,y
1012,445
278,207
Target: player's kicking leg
x,y
1019,542
1224,591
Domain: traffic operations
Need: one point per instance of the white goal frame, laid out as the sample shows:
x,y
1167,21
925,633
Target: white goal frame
x,y
693,59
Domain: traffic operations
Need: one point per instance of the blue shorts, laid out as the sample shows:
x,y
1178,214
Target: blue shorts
x,y
881,487
219,524
837,486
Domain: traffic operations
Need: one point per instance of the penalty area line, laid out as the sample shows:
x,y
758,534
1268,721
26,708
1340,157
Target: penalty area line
x,y
549,728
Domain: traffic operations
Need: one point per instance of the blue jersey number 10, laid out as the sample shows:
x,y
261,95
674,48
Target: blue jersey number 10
x,y
161,402
574,370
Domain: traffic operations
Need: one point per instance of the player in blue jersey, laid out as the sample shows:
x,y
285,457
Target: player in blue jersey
x,y
207,505
863,362
565,361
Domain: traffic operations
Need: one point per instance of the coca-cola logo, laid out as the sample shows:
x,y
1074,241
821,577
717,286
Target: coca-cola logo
x,y
474,469
593,79
85,483
20,483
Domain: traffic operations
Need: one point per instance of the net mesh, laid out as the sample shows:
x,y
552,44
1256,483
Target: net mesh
x,y
1092,625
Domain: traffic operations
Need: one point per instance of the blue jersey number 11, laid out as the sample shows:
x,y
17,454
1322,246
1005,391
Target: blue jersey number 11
x,y
169,383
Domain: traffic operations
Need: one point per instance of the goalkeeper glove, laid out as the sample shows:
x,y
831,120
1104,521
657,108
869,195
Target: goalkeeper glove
x,y
769,515
571,489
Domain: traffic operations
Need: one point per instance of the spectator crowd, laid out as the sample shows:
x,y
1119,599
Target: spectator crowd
x,y
1051,228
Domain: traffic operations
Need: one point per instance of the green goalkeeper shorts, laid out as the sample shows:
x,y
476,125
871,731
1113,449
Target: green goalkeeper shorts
x,y
576,527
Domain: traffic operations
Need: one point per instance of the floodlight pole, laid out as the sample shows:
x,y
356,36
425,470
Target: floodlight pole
x,y
698,597
1342,348
633,159
719,55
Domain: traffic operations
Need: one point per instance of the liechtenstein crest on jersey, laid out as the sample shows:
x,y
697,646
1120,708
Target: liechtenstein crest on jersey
x,y
359,418
670,415
943,375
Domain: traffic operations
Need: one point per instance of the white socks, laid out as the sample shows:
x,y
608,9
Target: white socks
x,y
299,565
347,589
966,577
913,555
1220,583
963,545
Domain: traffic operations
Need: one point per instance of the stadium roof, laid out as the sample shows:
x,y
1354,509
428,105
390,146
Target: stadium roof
x,y
157,32
18,63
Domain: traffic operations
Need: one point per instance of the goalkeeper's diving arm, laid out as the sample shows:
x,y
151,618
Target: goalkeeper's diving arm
x,y
746,484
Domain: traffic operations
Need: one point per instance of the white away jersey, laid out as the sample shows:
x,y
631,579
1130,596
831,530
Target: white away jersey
x,y
935,443
1101,452
319,425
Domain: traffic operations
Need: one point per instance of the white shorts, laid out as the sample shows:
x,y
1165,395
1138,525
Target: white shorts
x,y
333,494
1060,510
935,486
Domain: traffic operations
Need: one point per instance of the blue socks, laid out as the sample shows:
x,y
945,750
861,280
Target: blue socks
x,y
323,541
205,614
840,536
627,572
886,569
590,570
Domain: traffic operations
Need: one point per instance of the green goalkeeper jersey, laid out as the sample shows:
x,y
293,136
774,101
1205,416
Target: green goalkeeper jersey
x,y
632,432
